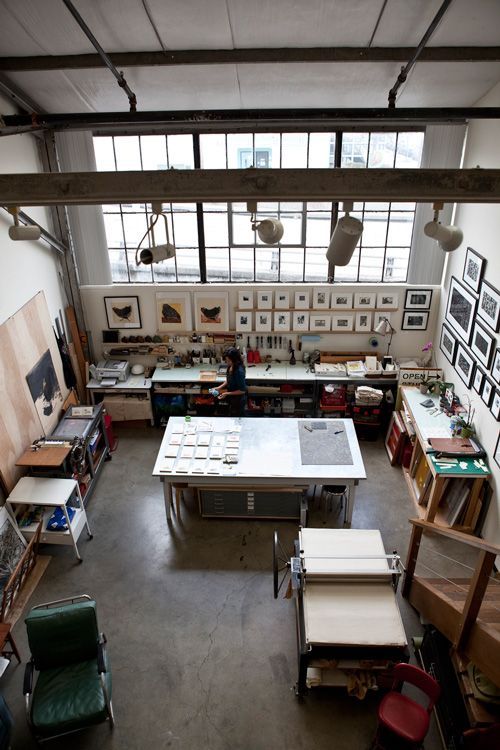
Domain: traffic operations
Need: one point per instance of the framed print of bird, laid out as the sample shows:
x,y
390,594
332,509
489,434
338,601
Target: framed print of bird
x,y
123,312
211,311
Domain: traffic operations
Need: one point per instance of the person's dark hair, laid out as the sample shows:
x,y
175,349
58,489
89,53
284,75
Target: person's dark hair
x,y
234,355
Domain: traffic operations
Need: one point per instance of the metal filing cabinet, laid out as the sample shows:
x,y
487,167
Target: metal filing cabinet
x,y
251,503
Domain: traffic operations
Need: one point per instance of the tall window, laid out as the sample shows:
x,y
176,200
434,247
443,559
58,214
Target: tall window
x,y
232,250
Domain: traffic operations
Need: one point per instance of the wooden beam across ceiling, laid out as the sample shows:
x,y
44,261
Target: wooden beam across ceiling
x,y
252,57
241,185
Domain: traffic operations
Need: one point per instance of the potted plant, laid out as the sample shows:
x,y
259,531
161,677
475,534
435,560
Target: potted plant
x,y
463,422
428,384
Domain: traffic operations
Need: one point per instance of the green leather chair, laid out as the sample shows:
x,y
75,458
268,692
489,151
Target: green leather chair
x,y
73,688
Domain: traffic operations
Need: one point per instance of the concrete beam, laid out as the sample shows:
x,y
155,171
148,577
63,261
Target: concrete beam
x,y
240,185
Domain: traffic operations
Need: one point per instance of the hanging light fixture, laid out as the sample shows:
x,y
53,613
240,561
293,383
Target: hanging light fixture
x,y
270,231
449,238
154,253
19,232
344,238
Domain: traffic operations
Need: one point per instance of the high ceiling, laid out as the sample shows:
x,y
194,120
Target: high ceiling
x,y
31,28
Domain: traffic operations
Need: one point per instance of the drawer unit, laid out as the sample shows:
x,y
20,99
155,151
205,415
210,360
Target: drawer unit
x,y
251,503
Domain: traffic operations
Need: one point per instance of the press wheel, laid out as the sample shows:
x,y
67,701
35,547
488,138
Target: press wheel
x,y
281,565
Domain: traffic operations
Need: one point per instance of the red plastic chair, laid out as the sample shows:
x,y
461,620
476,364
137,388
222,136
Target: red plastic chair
x,y
402,719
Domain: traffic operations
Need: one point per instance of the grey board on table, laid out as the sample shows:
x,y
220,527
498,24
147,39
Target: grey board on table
x,y
324,447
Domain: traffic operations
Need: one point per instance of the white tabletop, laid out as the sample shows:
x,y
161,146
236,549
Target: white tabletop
x,y
426,425
269,453
133,382
42,491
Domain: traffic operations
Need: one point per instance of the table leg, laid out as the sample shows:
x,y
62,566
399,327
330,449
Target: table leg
x,y
434,498
71,532
349,503
167,497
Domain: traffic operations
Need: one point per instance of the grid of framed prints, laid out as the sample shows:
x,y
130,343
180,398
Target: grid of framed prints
x,y
461,309
448,344
464,365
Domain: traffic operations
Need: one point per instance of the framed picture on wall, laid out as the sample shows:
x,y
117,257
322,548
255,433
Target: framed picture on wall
x,y
473,269
245,300
300,321
414,320
378,316
464,365
365,300
302,300
418,299
244,320
495,404
123,312
487,392
448,344
460,309
482,344
495,370
173,311
478,381
342,322
265,300
341,300
321,299
211,311
387,301
282,320
363,322
282,300
263,321
496,454
320,323
489,305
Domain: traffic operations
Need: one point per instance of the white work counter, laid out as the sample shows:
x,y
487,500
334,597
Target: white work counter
x,y
269,456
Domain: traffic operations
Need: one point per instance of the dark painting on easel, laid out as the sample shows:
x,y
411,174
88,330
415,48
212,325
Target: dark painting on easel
x,y
45,390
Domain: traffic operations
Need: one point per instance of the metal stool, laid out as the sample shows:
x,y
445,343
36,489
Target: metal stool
x,y
334,492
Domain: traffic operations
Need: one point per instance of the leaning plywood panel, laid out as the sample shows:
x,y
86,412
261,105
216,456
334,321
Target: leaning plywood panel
x,y
31,382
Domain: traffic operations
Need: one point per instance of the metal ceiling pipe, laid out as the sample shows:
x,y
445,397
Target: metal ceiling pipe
x,y
106,60
404,71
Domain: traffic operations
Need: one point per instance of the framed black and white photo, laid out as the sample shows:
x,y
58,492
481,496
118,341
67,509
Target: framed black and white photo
x,y
245,300
414,320
482,344
123,312
300,320
365,300
477,383
488,308
341,300
448,344
460,309
282,320
302,300
265,300
418,299
495,404
320,323
321,299
282,300
263,320
496,454
342,322
495,370
387,301
487,392
244,320
363,321
464,365
473,269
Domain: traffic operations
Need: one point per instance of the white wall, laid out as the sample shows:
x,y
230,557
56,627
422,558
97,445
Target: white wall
x,y
481,227
26,267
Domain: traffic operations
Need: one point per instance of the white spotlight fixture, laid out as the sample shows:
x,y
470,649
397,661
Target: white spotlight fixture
x,y
344,238
270,231
19,232
449,238
154,253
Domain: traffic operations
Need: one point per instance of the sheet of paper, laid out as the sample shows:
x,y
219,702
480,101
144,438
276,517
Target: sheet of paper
x,y
190,440
218,441
168,465
215,452
213,467
175,439
187,452
231,451
198,467
182,466
190,429
203,439
229,470
178,429
201,452
108,382
205,426
233,438
172,451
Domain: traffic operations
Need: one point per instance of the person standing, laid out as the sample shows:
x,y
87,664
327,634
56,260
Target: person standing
x,y
234,388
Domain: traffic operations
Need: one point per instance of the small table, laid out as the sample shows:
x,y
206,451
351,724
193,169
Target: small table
x,y
134,386
52,493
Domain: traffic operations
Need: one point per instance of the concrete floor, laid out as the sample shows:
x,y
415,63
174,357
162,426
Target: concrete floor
x,y
201,653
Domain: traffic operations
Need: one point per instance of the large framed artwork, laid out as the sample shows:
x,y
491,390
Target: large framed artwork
x,y
489,305
464,365
473,269
211,311
12,547
45,390
123,312
482,344
448,344
173,311
460,309
418,299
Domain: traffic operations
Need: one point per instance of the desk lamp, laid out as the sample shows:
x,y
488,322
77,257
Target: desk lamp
x,y
384,328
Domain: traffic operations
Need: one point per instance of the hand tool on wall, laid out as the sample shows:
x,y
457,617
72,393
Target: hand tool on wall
x,y
256,355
